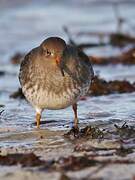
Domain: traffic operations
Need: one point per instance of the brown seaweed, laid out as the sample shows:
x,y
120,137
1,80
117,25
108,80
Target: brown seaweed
x,y
17,94
90,45
120,39
123,151
103,87
88,132
16,58
126,58
26,160
73,163
64,177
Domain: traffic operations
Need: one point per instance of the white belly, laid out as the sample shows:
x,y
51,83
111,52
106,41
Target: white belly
x,y
60,101
43,99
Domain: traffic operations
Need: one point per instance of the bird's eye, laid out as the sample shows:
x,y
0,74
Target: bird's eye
x,y
48,53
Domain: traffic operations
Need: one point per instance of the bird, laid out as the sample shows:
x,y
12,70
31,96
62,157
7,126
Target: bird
x,y
55,75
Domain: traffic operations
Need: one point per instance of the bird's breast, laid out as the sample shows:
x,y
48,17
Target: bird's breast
x,y
54,97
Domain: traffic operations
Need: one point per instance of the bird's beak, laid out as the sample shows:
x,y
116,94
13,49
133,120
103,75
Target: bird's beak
x,y
59,65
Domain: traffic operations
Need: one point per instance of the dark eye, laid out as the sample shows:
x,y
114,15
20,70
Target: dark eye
x,y
48,53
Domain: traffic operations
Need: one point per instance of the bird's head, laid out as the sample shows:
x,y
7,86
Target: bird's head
x,y
55,50
52,48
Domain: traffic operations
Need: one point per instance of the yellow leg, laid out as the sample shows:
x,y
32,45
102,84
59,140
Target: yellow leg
x,y
74,106
38,117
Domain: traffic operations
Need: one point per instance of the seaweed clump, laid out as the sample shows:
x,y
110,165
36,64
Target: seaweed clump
x,y
102,87
86,132
122,151
31,160
121,39
75,163
17,94
26,160
125,131
126,58
16,58
70,163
